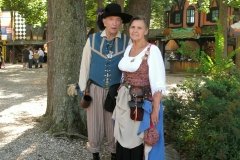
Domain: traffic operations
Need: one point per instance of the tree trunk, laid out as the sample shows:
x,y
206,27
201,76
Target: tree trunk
x,y
140,7
121,3
223,9
50,60
237,61
66,38
100,4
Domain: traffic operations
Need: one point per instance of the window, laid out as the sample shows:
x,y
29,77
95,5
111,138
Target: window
x,y
190,15
177,18
215,13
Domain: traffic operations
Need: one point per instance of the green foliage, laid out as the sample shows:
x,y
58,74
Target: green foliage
x,y
204,4
233,3
202,117
157,15
188,52
209,65
91,13
219,63
34,11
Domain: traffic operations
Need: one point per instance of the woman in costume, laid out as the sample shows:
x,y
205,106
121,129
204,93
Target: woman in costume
x,y
143,79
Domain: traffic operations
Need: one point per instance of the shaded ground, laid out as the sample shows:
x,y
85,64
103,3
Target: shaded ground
x,y
22,101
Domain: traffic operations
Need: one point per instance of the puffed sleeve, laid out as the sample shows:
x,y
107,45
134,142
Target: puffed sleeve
x,y
85,66
156,70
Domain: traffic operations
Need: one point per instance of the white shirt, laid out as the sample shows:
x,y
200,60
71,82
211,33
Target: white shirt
x,y
155,63
41,53
30,54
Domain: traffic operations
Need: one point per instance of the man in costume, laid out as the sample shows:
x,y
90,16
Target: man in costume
x,y
101,54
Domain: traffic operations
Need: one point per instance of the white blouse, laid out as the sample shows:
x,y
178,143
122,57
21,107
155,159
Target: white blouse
x,y
155,63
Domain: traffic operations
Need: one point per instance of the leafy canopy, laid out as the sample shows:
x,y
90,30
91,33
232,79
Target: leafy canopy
x,y
34,11
204,4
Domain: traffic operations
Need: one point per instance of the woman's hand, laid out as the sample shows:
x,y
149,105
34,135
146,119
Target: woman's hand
x,y
155,107
154,115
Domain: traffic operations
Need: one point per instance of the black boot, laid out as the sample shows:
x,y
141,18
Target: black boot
x,y
113,156
96,156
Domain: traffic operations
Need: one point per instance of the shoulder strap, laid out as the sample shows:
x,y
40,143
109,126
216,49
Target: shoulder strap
x,y
145,57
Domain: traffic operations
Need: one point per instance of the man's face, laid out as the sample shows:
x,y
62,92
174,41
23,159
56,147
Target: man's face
x,y
112,24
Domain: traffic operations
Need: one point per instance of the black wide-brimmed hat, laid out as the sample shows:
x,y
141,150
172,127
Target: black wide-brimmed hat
x,y
112,9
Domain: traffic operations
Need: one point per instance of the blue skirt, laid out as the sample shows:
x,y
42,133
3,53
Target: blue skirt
x,y
158,150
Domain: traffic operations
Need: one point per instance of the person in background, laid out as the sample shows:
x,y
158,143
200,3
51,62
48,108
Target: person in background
x,y
25,57
143,78
45,52
100,58
12,56
30,62
41,56
1,60
36,58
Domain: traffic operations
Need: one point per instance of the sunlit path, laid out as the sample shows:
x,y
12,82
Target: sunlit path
x,y
15,120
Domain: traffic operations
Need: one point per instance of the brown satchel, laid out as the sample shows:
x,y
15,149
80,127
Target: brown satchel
x,y
86,99
136,103
136,113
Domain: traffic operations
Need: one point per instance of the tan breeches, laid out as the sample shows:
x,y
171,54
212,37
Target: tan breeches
x,y
99,122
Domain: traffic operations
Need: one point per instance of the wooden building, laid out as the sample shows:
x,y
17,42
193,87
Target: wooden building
x,y
15,34
185,23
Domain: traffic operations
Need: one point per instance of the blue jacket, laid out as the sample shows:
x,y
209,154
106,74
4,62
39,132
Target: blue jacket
x,y
104,70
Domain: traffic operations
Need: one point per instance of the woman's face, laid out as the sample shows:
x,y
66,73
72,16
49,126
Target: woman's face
x,y
137,30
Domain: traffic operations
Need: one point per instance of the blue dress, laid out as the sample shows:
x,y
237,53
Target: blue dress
x,y
158,150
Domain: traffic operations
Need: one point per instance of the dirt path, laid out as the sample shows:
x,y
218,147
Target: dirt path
x,y
22,101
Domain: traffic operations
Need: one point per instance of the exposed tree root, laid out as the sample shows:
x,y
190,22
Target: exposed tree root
x,y
69,135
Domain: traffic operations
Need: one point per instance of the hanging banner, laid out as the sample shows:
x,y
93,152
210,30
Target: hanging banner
x,y
6,28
